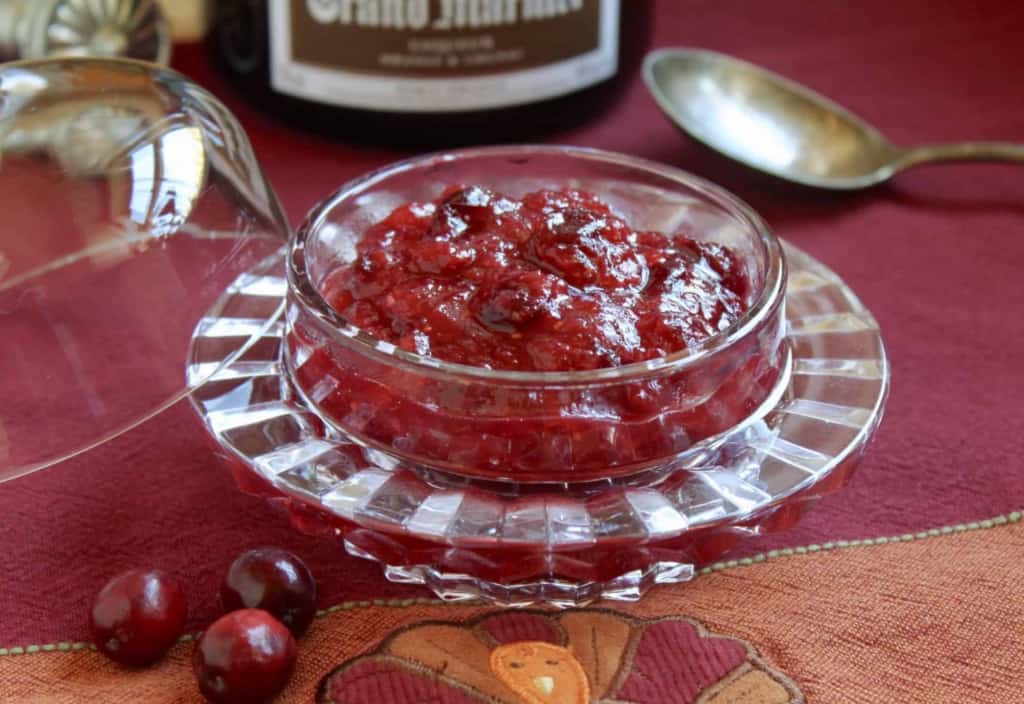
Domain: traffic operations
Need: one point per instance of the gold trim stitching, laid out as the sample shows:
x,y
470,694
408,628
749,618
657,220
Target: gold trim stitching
x,y
771,555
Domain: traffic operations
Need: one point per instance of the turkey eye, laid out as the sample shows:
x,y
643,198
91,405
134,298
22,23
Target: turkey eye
x,y
515,665
551,662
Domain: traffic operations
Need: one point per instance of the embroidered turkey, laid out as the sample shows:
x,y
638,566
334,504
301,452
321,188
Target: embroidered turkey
x,y
589,656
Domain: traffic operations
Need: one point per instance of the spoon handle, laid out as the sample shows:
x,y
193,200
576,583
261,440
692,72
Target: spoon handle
x,y
962,151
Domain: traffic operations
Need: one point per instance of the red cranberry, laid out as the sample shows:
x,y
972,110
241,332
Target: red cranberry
x,y
463,208
138,616
273,580
508,303
244,656
587,247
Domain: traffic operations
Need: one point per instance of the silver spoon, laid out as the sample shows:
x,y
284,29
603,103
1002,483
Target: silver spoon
x,y
775,125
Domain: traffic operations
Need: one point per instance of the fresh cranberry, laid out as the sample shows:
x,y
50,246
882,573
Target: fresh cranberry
x,y
138,616
245,656
274,580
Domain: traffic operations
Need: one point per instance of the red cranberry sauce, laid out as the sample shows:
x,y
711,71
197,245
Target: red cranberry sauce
x,y
555,281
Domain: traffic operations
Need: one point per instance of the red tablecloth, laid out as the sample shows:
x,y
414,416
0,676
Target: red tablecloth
x,y
937,255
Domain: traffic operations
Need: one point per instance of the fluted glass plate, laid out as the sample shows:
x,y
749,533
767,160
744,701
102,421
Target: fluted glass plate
x,y
523,544
131,198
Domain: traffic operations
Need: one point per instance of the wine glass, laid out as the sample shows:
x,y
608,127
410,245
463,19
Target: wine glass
x,y
131,198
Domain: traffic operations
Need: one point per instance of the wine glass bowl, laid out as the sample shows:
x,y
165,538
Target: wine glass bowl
x,y
131,199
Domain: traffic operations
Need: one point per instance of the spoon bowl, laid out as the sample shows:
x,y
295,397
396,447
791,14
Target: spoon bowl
x,y
777,126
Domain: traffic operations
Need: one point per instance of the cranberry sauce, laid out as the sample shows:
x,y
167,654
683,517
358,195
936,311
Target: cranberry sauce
x,y
553,282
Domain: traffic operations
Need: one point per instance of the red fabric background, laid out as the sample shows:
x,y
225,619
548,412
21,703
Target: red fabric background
x,y
938,256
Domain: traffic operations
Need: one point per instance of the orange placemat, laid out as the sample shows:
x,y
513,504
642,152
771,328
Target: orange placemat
x,y
935,617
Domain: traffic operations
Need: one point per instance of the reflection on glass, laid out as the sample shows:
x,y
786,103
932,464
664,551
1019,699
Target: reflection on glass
x,y
132,199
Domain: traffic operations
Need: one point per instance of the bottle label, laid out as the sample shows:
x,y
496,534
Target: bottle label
x,y
440,55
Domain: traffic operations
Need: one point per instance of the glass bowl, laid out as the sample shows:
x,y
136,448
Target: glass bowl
x,y
558,544
568,426
131,200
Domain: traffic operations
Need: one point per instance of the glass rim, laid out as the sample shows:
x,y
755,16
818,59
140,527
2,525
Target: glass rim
x,y
300,285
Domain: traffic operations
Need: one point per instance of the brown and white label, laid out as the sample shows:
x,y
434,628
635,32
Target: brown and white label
x,y
440,55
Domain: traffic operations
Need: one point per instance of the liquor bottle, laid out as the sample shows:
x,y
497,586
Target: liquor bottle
x,y
431,71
